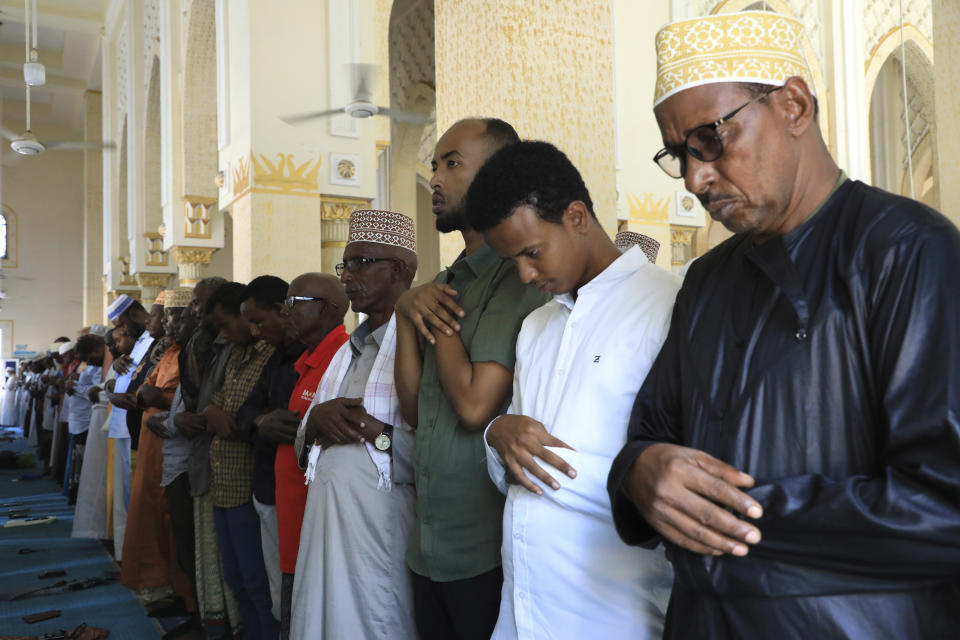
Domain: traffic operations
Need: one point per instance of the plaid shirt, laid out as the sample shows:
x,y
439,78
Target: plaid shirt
x,y
231,461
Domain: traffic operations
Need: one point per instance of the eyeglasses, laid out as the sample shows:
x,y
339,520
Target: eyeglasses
x,y
292,300
703,143
355,264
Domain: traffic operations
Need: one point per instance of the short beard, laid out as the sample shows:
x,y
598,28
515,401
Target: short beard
x,y
453,220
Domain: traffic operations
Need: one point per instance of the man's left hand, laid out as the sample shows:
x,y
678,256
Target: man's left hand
x,y
219,422
518,439
155,424
279,426
151,396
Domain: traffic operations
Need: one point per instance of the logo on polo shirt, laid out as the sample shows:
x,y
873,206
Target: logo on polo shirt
x,y
307,395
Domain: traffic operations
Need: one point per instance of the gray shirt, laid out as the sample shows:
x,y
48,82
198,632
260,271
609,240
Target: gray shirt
x,y
176,446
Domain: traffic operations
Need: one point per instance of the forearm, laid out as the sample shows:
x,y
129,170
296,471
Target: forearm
x,y
408,369
631,526
476,401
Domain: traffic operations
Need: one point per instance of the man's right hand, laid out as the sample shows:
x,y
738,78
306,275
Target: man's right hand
x,y
190,424
682,492
122,364
518,439
279,426
336,421
431,304
94,394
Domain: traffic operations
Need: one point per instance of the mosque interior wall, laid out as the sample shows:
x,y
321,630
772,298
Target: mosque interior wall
x,y
44,292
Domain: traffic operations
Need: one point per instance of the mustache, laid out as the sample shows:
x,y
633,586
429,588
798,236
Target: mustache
x,y
711,197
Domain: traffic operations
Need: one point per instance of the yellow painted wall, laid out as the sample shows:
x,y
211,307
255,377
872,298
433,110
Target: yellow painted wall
x,y
545,66
45,289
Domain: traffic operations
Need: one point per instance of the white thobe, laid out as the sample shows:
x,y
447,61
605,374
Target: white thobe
x,y
352,579
580,363
8,410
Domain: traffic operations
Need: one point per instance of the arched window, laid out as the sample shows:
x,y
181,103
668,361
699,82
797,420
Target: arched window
x,y
3,236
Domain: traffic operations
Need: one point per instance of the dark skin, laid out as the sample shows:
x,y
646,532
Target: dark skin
x,y
774,171
237,331
189,423
111,347
556,258
123,344
270,323
312,320
149,395
132,316
93,358
373,290
155,325
429,312
179,324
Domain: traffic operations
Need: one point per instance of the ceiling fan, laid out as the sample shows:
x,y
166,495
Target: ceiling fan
x,y
362,105
34,74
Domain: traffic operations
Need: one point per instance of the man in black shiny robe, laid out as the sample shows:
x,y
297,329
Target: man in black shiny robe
x,y
796,444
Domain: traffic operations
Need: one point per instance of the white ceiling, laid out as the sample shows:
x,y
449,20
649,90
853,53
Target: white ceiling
x,y
69,47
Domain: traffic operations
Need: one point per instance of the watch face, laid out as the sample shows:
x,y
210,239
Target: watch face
x,y
382,442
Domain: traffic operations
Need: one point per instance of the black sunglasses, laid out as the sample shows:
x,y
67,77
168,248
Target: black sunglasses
x,y
703,143
292,300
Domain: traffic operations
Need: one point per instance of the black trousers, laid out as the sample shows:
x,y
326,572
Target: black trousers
x,y
458,610
181,521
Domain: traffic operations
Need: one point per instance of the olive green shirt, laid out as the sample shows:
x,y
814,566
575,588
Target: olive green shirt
x,y
459,511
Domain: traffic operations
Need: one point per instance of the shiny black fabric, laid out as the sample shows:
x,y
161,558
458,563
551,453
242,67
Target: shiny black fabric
x,y
825,363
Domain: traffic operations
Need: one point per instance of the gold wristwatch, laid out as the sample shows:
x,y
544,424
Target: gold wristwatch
x,y
384,441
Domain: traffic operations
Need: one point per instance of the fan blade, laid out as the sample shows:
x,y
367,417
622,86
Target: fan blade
x,y
12,160
297,118
404,116
9,135
78,146
362,77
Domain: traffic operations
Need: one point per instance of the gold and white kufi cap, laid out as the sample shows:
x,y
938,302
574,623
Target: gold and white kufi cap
x,y
627,239
179,297
750,46
382,227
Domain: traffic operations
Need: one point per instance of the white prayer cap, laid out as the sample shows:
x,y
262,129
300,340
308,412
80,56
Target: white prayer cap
x,y
98,330
118,306
382,227
66,346
749,46
649,246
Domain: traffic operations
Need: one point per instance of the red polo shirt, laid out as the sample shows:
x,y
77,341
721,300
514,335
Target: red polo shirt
x,y
291,491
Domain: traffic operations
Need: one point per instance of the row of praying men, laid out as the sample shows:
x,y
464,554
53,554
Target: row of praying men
x,y
555,438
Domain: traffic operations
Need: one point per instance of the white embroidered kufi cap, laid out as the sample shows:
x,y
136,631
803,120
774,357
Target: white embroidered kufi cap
x,y
627,239
382,227
67,346
749,46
